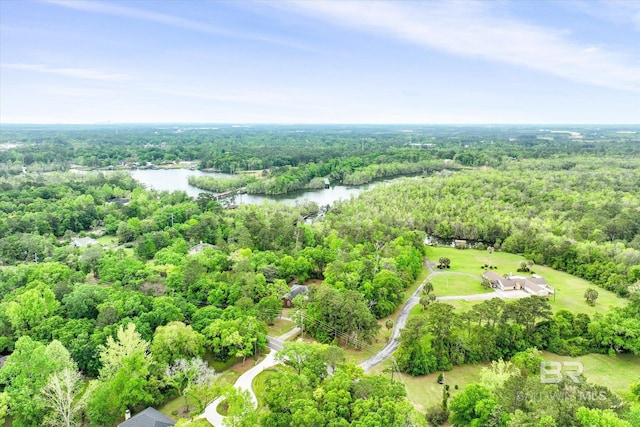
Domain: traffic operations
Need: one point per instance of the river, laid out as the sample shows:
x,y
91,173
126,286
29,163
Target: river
x,y
177,180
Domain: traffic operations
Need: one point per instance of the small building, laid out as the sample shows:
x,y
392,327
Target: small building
x,y
82,242
150,417
201,247
287,299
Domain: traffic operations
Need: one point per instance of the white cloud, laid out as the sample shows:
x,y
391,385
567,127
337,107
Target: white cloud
x,y
618,11
473,29
80,73
170,20
111,9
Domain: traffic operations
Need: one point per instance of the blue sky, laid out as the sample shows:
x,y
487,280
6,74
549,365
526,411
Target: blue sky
x,y
320,62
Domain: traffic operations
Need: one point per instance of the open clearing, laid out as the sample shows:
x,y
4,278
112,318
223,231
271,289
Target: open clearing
x,y
457,284
569,289
618,373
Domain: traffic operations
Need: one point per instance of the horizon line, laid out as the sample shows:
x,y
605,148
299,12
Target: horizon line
x,y
244,124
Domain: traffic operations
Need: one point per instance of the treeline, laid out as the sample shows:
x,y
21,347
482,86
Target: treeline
x,y
331,392
513,394
440,337
219,185
579,216
286,179
78,302
232,149
56,204
386,170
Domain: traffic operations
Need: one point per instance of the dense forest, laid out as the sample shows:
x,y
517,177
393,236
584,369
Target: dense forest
x,y
172,284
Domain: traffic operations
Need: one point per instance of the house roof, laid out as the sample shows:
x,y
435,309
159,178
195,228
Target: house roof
x,y
201,247
531,286
538,281
492,276
150,417
295,291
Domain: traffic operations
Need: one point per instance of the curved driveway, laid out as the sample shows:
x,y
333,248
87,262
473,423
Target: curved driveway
x,y
400,323
245,380
275,344
414,299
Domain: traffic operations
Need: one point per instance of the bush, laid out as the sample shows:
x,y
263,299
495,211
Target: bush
x,y
436,416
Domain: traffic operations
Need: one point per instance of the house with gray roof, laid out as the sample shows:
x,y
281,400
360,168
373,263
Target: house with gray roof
x,y
150,417
535,285
201,247
287,299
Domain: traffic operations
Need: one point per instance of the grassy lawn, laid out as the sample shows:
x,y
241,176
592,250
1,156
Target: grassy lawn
x,y
351,354
171,408
218,365
471,261
231,369
107,240
569,289
280,326
570,293
457,284
259,385
618,372
361,355
462,305
425,391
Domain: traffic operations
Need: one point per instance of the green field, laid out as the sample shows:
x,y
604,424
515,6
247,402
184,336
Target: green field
x,y
570,293
424,391
173,406
471,260
107,240
618,373
259,385
457,284
280,327
569,289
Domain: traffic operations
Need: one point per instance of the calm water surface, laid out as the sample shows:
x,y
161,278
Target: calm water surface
x,y
177,180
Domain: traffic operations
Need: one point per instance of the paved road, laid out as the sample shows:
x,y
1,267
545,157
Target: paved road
x,y
245,380
275,344
400,323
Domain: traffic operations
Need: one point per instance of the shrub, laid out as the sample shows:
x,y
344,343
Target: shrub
x,y
436,416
